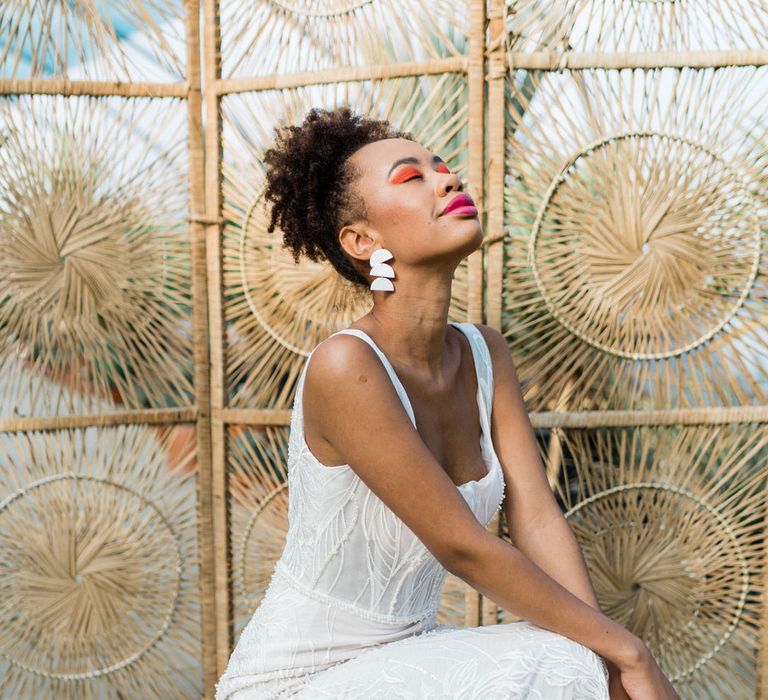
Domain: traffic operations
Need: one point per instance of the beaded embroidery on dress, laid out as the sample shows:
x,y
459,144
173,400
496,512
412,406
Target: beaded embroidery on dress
x,y
350,609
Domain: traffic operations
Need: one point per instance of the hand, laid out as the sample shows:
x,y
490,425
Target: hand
x,y
615,688
642,679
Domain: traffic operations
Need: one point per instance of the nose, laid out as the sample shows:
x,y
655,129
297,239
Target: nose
x,y
448,182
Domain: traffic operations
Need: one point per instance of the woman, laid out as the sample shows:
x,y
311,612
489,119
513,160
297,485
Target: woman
x,y
407,434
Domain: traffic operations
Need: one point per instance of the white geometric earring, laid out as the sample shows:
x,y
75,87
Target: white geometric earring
x,y
383,272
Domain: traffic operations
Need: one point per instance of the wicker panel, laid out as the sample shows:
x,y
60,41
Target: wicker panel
x,y
635,217
670,520
278,311
326,34
95,270
99,570
637,25
258,499
78,40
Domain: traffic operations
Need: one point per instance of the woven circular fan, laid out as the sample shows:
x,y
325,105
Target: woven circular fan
x,y
670,523
86,39
635,237
259,522
95,265
637,25
327,34
98,573
279,311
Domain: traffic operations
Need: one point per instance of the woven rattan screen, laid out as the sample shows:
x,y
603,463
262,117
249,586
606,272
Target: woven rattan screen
x,y
105,539
152,332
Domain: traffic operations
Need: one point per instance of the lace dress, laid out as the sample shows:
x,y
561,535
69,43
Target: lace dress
x,y
350,609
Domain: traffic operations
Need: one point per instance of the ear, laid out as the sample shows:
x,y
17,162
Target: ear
x,y
356,240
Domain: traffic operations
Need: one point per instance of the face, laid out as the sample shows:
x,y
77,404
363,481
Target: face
x,y
416,207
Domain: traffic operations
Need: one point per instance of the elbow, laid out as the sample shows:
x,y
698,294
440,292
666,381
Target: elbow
x,y
468,554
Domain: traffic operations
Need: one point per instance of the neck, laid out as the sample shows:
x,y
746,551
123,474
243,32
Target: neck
x,y
412,321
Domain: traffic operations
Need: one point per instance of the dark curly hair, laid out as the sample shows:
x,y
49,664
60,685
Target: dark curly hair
x,y
309,183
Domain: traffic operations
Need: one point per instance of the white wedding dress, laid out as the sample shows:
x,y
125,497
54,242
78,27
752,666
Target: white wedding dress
x,y
350,610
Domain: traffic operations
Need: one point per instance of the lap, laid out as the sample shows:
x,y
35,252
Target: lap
x,y
514,660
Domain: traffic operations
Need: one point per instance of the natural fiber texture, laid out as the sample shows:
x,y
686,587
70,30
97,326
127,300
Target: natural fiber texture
x,y
78,39
95,266
322,34
635,214
671,522
99,567
637,25
278,310
258,498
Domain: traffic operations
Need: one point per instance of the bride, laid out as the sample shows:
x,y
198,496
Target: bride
x,y
407,434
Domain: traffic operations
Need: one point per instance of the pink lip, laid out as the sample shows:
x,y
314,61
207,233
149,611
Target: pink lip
x,y
461,205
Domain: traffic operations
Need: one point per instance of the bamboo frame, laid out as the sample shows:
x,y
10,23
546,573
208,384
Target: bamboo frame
x,y
574,60
476,80
288,81
61,86
495,201
157,416
224,631
200,325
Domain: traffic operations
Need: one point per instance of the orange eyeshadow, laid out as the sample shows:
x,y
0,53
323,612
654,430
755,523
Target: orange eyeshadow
x,y
405,174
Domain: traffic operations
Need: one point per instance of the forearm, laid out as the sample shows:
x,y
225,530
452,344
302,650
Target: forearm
x,y
555,550
503,573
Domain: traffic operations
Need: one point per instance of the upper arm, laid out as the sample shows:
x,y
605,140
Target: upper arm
x,y
529,500
365,421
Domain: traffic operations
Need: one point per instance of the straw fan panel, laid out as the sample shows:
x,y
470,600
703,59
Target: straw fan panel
x,y
100,471
671,523
604,26
98,529
635,220
328,34
277,311
125,40
95,271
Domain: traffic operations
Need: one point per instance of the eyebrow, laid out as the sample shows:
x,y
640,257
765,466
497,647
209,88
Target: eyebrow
x,y
412,159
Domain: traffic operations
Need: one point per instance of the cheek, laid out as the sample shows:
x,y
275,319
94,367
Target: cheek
x,y
405,210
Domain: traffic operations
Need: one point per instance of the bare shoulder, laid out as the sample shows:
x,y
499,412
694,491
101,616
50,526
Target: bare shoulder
x,y
342,358
345,372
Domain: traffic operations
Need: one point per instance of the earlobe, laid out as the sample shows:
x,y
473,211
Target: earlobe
x,y
355,240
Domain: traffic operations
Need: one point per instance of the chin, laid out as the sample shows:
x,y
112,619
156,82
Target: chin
x,y
472,240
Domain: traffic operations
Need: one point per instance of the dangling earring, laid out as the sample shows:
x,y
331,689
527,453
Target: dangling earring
x,y
382,271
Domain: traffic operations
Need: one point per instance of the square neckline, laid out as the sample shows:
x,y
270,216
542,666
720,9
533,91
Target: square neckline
x,y
485,435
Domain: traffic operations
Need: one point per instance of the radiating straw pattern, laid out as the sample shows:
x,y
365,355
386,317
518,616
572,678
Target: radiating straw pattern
x,y
636,25
95,271
99,565
87,39
326,34
635,230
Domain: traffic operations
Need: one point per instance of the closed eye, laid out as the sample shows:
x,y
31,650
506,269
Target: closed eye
x,y
405,175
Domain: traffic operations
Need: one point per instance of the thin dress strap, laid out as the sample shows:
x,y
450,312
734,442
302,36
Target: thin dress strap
x,y
483,365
